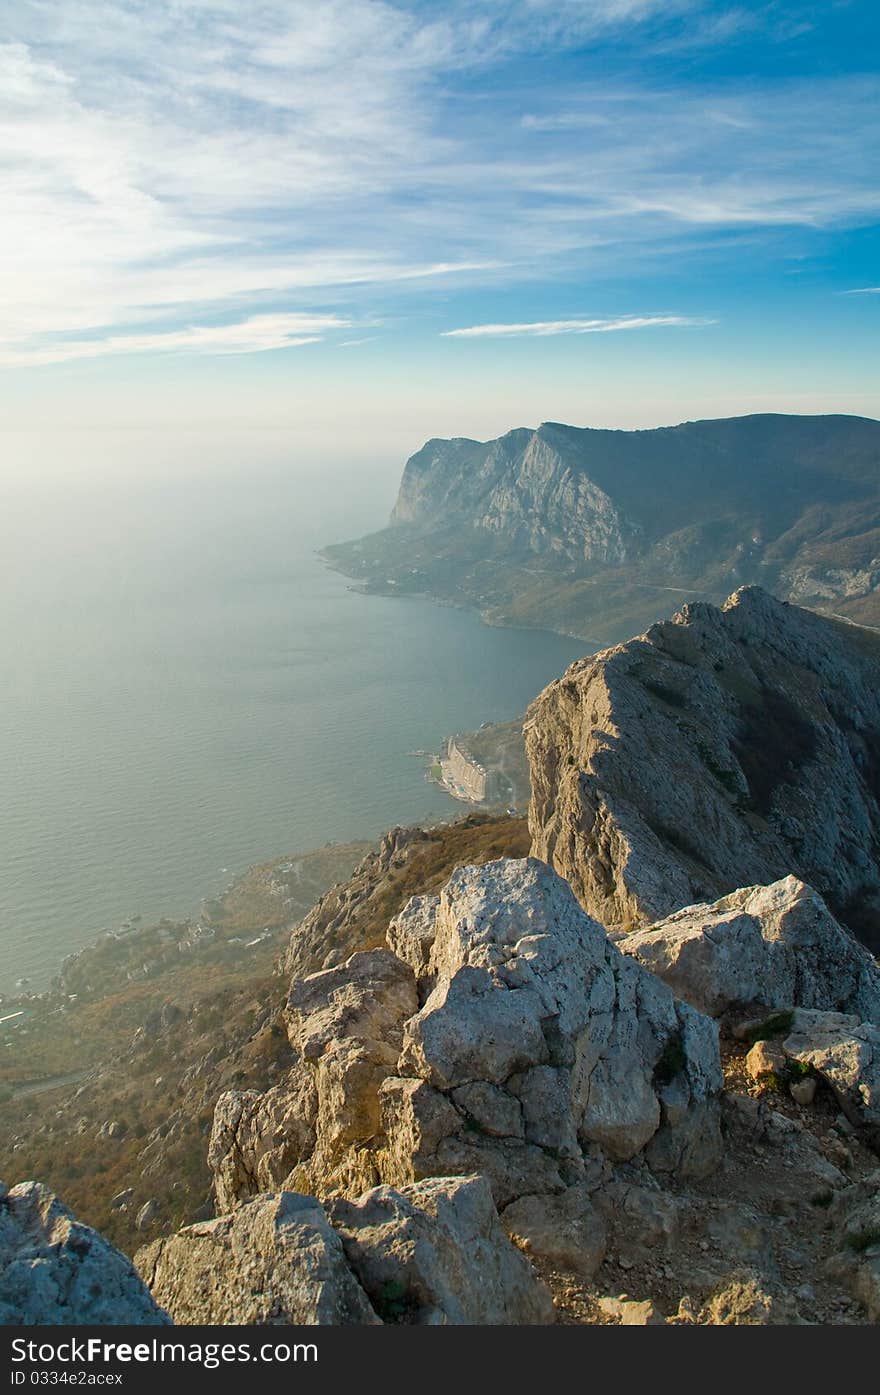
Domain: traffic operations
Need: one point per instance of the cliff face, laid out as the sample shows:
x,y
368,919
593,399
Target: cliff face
x,y
529,488
587,530
724,748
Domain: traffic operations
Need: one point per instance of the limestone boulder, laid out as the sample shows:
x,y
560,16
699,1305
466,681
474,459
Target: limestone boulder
x,y
566,1231
530,996
365,999
778,946
435,1253
276,1260
845,1053
55,1270
517,1042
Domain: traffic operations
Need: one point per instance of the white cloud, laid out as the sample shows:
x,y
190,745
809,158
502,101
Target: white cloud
x,y
257,334
540,328
864,290
209,160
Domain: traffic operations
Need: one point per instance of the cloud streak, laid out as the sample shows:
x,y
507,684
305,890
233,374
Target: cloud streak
x,y
258,334
542,328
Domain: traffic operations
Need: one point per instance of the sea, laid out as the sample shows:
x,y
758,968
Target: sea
x,y
187,689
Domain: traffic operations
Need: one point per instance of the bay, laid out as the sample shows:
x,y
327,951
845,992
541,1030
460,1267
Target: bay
x,y
187,689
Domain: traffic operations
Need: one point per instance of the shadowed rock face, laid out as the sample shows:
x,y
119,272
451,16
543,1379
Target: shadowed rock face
x,y
55,1270
723,749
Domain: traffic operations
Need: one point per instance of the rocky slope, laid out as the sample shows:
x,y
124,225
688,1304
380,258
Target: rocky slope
x,y
53,1269
488,1104
725,748
587,531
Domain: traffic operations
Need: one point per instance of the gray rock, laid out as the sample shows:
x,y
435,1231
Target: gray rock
x,y
856,1266
274,1261
775,945
257,1139
565,1230
147,1214
642,1221
435,1252
55,1270
725,748
524,982
538,1050
846,1054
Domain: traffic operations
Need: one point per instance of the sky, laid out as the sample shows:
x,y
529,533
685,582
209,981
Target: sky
x,y
357,224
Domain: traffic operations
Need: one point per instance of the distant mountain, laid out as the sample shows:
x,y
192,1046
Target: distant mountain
x,y
589,531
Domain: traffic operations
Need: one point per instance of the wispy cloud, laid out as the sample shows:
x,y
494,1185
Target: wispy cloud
x,y
257,334
168,166
864,290
547,327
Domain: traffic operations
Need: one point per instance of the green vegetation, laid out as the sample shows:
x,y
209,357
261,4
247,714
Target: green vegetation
x,y
864,1239
671,1061
394,1302
778,1024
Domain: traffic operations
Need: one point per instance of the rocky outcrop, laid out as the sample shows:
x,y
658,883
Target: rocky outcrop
x,y
845,1053
503,1034
770,946
276,1260
435,1253
55,1270
323,937
565,1230
527,490
723,749
258,1137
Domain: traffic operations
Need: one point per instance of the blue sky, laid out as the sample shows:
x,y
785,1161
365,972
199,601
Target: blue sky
x,y
419,219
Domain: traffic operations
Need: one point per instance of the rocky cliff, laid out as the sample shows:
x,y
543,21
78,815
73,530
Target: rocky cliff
x,y
587,531
724,748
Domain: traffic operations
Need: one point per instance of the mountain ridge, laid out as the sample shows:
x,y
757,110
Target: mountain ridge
x,y
586,530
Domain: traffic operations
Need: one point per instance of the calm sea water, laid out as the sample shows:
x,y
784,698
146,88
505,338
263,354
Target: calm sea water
x,y
186,690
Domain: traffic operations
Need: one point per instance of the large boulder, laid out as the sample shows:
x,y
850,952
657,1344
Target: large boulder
x,y
516,1041
426,1254
567,1230
435,1253
276,1260
775,946
845,1053
55,1270
724,748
